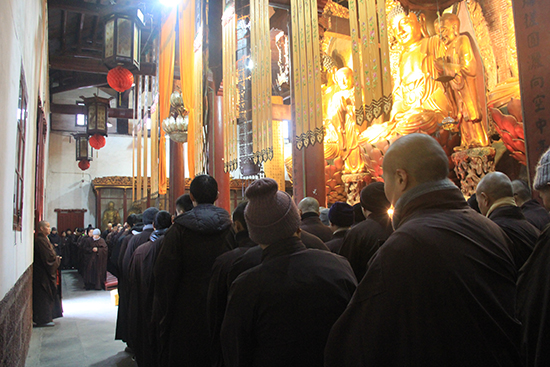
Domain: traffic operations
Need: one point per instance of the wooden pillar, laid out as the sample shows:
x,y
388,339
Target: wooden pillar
x,y
216,154
533,48
177,174
308,174
98,210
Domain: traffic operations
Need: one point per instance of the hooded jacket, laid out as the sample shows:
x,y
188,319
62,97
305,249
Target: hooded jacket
x,y
181,277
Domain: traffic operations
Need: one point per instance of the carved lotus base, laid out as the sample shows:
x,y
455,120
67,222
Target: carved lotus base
x,y
354,183
471,165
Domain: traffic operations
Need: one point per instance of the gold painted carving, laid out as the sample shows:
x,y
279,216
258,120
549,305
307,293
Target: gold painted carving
x,y
335,10
472,165
483,38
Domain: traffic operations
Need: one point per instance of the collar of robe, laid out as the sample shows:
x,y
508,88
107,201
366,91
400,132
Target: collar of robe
x,y
505,201
430,195
281,248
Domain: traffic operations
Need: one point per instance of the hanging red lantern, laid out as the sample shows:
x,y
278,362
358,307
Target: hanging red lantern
x,y
84,164
120,79
97,141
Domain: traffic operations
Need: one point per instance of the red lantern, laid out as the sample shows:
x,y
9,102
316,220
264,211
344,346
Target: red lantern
x,y
97,141
120,79
84,164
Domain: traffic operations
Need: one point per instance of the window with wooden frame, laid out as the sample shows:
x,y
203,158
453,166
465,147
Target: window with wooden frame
x,y
80,119
22,115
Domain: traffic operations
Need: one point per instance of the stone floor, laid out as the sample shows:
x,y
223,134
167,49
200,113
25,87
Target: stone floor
x,y
84,336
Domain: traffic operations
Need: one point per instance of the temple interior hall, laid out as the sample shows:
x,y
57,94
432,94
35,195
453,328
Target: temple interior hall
x,y
111,107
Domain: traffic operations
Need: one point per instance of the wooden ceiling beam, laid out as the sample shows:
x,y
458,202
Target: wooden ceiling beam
x,y
80,29
64,32
88,65
85,82
84,7
70,109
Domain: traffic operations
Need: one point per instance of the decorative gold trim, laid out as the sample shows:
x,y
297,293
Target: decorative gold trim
x,y
483,38
335,10
125,182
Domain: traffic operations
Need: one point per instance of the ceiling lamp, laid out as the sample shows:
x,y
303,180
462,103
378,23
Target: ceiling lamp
x,y
97,110
83,149
97,141
84,153
120,79
123,40
84,164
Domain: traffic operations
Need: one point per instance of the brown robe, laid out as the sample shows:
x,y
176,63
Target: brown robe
x,y
44,281
439,292
95,263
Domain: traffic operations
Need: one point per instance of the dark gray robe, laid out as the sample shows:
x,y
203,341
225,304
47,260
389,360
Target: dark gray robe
x,y
439,292
280,312
44,281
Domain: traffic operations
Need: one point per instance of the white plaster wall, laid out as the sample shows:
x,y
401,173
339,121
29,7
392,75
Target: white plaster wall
x,y
69,187
23,38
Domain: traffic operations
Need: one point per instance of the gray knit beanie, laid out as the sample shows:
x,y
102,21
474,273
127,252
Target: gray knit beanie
x,y
271,215
542,176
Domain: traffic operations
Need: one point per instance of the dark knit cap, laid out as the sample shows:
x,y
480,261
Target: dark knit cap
x,y
341,214
149,215
374,199
271,215
542,176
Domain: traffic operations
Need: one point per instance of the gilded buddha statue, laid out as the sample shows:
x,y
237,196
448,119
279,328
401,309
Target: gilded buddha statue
x,y
110,215
419,101
460,64
342,130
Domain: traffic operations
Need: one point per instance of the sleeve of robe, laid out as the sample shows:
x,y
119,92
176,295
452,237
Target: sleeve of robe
x,y
45,255
237,331
167,272
533,304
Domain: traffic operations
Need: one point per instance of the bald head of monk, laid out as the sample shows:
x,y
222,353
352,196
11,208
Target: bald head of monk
x,y
493,187
412,160
308,205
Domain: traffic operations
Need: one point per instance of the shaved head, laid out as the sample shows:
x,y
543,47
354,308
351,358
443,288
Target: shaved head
x,y
492,187
496,185
43,227
420,156
412,160
522,192
309,205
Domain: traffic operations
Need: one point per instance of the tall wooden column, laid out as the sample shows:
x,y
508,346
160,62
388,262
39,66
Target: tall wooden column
x,y
308,176
533,47
216,154
177,174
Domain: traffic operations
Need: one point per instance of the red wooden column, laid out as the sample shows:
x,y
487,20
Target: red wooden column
x,y
308,174
533,47
216,159
177,174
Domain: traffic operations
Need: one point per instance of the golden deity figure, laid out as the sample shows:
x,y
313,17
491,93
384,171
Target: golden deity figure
x,y
135,208
459,63
342,130
110,215
419,101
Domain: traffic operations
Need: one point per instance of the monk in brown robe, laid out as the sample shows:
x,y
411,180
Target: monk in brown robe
x,y
46,262
95,261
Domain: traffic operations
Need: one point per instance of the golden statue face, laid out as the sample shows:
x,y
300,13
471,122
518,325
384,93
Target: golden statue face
x,y
408,29
449,31
111,205
344,78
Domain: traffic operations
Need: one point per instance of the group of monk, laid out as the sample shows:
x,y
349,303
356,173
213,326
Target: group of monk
x,y
85,250
425,278
435,282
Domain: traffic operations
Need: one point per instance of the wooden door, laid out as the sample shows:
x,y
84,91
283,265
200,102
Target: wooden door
x,y
70,218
